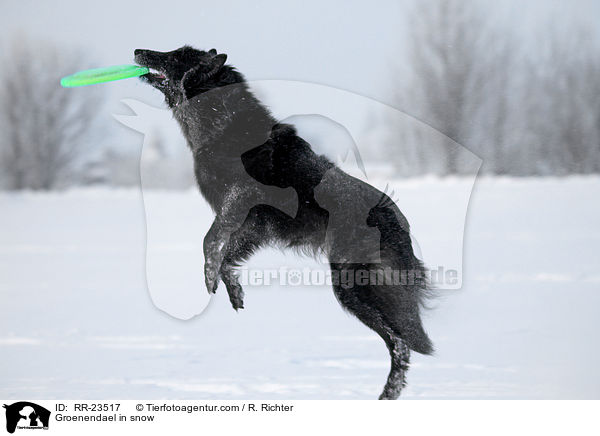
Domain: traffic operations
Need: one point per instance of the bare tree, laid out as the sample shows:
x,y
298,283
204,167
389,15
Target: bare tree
x,y
554,104
460,83
526,108
569,103
447,63
44,127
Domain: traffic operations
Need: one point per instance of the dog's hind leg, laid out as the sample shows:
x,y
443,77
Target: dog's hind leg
x,y
396,380
361,302
264,224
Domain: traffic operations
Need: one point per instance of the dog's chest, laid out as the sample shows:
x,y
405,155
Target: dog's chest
x,y
215,175
209,183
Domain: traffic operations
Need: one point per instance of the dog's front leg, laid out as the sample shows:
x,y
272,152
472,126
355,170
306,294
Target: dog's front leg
x,y
230,218
214,241
217,266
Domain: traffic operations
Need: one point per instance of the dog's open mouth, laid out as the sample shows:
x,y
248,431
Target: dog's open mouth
x,y
154,77
156,74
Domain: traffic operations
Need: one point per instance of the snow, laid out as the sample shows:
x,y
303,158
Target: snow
x,y
77,320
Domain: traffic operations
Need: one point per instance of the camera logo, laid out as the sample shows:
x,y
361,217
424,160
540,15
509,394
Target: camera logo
x,y
26,415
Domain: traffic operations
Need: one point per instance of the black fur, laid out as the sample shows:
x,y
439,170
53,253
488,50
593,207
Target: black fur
x,y
267,186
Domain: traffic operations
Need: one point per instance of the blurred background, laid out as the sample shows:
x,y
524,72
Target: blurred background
x,y
83,249
518,84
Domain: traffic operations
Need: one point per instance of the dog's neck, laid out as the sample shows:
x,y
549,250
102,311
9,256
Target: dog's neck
x,y
230,113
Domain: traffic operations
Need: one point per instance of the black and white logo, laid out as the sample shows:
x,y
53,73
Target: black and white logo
x,y
26,415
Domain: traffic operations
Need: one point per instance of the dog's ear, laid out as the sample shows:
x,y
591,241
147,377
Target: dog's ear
x,y
218,61
193,78
212,52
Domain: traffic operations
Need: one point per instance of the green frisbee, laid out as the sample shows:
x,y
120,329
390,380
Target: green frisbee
x,y
101,75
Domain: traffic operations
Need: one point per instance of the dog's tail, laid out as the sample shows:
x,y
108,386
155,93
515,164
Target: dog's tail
x,y
390,304
408,322
390,300
401,301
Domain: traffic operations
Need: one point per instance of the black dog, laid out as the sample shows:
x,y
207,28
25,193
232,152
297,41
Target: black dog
x,y
266,186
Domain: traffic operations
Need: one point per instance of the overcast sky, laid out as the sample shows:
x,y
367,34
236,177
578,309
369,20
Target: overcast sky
x,y
349,44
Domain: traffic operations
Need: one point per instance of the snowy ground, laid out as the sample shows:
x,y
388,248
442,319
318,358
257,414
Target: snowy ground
x,y
76,319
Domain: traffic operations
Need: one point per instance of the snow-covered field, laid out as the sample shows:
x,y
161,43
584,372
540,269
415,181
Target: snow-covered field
x,y
77,320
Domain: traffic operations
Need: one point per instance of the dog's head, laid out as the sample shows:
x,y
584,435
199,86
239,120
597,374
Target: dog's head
x,y
183,73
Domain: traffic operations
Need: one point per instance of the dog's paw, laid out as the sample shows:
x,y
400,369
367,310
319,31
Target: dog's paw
x,y
237,302
234,289
211,278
